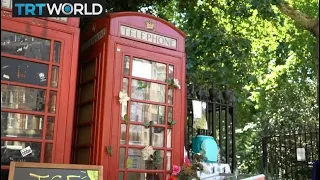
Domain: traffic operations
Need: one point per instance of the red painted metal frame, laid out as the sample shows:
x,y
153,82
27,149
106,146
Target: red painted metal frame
x,y
110,81
68,35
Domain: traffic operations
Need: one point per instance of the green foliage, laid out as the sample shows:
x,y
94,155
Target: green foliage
x,y
156,159
148,124
265,57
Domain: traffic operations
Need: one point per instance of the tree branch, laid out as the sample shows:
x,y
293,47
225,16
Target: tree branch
x,y
302,19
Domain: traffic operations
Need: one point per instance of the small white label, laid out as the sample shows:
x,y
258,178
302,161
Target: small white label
x,y
26,151
301,154
6,76
118,49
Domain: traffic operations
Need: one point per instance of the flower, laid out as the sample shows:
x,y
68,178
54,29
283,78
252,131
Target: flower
x,y
176,83
187,162
146,152
176,169
123,97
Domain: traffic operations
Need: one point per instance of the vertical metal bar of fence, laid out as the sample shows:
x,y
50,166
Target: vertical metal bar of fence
x,y
306,148
220,128
295,150
290,155
311,145
276,154
300,146
265,156
214,123
234,160
207,116
226,126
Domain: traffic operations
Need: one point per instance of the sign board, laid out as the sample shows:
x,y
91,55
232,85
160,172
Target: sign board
x,y
301,154
147,37
48,171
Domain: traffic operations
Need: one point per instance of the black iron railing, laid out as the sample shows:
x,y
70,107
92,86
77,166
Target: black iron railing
x,y
220,117
280,159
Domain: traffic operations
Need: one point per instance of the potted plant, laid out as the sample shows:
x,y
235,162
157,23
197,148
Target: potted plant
x,y
188,170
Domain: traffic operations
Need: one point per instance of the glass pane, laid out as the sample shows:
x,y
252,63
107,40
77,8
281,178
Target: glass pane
x,y
88,71
126,65
148,69
120,176
86,92
124,106
10,151
170,74
15,70
148,91
170,111
50,128
85,113
56,52
48,153
122,154
168,160
139,163
54,76
15,97
6,4
84,135
82,156
169,138
144,176
21,125
142,112
123,134
139,135
170,96
157,137
125,83
52,102
23,45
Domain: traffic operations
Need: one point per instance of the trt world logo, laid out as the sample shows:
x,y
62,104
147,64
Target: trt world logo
x,y
58,8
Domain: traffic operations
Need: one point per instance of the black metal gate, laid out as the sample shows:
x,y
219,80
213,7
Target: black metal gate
x,y
220,116
280,159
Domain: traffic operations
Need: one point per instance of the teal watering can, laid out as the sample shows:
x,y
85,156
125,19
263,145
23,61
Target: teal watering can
x,y
208,146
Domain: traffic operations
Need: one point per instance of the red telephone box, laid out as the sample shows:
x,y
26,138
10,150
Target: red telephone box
x,y
136,54
38,82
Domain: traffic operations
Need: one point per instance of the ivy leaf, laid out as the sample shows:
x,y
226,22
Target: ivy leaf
x,y
141,85
171,122
126,119
146,125
109,149
129,163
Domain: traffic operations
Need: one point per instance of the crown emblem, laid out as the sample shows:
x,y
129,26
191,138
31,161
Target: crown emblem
x,y
149,24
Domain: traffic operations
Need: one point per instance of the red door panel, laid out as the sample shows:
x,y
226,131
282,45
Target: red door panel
x,y
37,93
143,76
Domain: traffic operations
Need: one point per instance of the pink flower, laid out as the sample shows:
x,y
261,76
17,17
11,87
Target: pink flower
x,y
187,161
176,169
